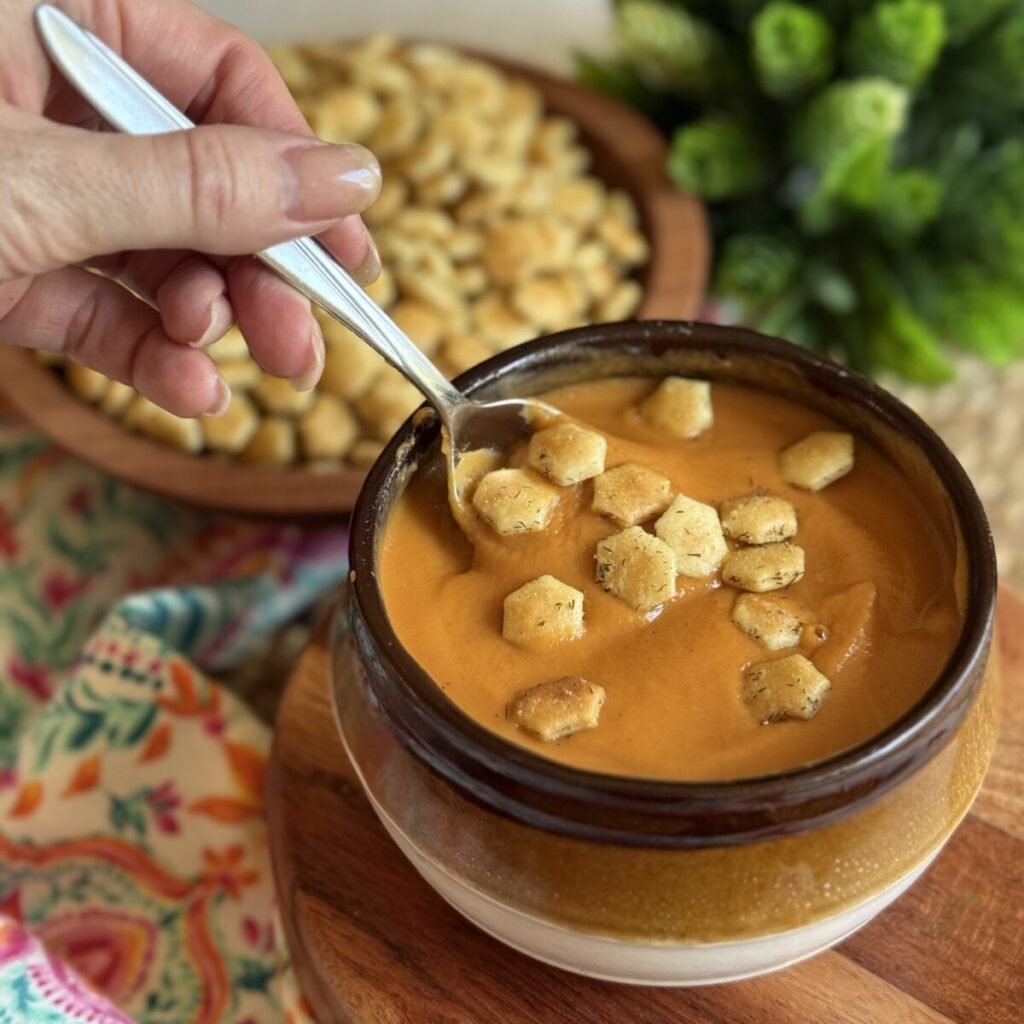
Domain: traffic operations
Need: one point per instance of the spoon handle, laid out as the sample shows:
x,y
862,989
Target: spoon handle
x,y
130,104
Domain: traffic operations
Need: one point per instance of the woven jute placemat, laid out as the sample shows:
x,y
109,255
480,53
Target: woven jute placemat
x,y
981,417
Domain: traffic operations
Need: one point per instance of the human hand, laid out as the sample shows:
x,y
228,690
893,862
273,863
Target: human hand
x,y
168,216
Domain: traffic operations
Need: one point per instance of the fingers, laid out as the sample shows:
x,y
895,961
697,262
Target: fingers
x,y
96,322
206,67
193,302
353,247
277,323
197,302
219,189
195,307
189,291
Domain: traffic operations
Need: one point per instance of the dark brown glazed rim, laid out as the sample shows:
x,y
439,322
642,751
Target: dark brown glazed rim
x,y
519,784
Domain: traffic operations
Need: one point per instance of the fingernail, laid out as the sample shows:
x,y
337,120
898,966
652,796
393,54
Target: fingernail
x,y
222,401
328,182
221,316
307,381
369,270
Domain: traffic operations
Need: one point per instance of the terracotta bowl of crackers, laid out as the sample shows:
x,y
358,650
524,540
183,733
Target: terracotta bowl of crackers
x,y
514,204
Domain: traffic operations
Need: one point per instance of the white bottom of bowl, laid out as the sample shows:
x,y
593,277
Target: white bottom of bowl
x,y
640,963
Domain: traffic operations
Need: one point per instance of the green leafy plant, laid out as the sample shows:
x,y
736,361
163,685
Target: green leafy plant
x,y
862,161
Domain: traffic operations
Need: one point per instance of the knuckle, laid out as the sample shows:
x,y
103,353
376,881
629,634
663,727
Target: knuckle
x,y
217,180
247,53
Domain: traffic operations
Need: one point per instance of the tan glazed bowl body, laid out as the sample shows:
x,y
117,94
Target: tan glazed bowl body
x,y
654,881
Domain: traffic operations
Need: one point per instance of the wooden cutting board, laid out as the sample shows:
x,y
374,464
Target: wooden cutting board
x,y
373,944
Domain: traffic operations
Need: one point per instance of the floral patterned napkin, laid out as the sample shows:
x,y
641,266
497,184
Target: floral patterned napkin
x,y
134,870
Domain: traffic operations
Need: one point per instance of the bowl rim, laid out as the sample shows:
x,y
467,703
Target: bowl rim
x,y
526,786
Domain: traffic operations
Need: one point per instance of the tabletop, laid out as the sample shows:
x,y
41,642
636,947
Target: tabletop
x,y
372,943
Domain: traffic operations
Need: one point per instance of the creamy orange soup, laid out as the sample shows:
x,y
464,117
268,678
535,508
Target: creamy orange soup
x,y
879,582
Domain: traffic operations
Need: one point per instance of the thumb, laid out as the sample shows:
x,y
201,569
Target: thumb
x,y
221,189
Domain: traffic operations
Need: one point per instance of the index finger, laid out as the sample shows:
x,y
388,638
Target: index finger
x,y
208,69
204,66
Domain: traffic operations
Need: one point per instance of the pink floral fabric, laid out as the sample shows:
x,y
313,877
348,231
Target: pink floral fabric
x,y
135,882
39,988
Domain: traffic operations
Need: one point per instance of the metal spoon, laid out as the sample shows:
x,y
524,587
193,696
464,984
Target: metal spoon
x,y
130,104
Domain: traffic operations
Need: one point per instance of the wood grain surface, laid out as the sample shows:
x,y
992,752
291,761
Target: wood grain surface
x,y
628,153
373,944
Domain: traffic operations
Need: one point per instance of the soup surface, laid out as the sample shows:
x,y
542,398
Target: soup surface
x,y
878,587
